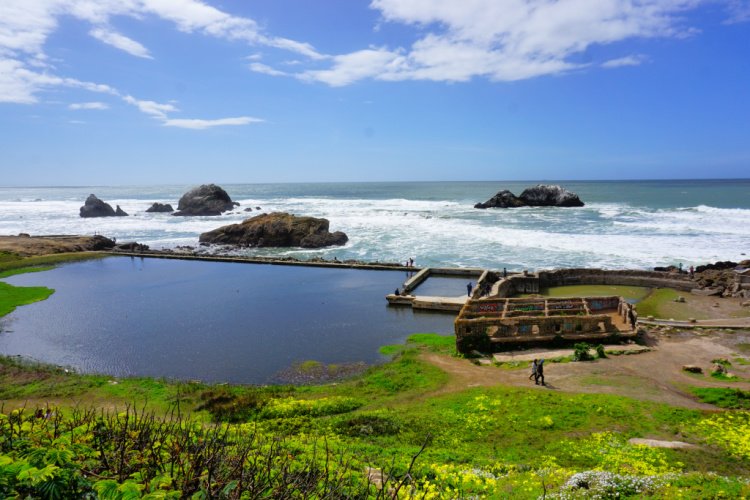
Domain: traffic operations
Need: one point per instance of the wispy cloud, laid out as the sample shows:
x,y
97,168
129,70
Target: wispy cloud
x,y
25,26
152,108
502,40
632,60
121,42
160,111
199,124
266,70
88,105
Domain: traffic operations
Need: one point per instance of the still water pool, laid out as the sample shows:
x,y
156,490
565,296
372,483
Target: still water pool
x,y
212,321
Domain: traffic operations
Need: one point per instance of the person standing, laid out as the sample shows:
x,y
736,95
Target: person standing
x,y
468,288
534,375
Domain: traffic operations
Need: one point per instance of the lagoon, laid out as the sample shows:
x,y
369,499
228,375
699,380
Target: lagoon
x,y
212,321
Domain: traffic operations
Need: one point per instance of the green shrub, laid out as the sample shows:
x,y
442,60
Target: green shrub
x,y
581,352
600,352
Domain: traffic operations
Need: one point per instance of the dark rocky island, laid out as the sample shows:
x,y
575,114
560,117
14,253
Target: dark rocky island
x,y
208,199
276,229
160,207
94,207
538,196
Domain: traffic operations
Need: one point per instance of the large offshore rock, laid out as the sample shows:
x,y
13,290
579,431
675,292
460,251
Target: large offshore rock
x,y
276,229
208,199
537,196
503,199
543,195
160,207
94,207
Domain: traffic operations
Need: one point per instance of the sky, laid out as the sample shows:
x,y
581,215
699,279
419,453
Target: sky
x,y
108,92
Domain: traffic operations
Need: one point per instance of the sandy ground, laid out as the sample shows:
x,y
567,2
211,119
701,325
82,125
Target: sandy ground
x,y
655,375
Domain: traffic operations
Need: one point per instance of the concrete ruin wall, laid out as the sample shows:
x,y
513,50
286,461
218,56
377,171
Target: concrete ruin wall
x,y
483,324
651,279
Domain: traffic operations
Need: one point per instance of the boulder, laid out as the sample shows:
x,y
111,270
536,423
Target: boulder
x,y
276,229
132,246
94,207
208,199
692,369
550,196
503,199
119,212
160,207
537,196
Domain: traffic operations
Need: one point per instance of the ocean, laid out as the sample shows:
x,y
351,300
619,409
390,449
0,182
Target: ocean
x,y
625,224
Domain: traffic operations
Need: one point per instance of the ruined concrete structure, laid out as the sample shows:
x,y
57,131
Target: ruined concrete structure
x,y
485,323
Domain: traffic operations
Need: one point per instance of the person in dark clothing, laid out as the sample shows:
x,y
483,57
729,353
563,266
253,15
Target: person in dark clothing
x,y
534,375
396,292
468,288
540,371
505,273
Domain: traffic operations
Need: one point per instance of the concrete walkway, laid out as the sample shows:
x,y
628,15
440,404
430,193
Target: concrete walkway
x,y
533,354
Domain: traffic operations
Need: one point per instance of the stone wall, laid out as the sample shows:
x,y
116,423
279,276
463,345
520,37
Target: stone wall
x,y
650,279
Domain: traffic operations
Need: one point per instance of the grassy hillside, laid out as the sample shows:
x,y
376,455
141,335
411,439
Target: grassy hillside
x,y
134,438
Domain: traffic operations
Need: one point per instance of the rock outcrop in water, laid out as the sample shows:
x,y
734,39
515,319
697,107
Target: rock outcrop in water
x,y
208,199
538,196
160,207
94,207
276,229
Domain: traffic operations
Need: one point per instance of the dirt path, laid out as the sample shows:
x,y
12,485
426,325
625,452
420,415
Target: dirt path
x,y
656,375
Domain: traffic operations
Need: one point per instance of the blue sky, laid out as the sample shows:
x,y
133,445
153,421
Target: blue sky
x,y
188,91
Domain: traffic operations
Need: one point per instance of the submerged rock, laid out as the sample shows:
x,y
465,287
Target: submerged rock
x,y
94,207
160,207
208,199
276,229
538,196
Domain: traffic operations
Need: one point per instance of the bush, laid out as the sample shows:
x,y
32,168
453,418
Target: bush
x,y
581,352
600,352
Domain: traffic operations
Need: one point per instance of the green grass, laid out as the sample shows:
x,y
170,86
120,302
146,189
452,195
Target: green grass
x,y
723,397
660,304
390,350
14,296
628,292
434,342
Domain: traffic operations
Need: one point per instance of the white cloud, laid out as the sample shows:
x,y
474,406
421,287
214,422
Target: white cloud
x,y
634,60
25,26
198,124
18,84
121,42
739,11
152,108
502,40
266,70
88,105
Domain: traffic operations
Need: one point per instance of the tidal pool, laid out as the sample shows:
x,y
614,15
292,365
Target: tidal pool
x,y
211,321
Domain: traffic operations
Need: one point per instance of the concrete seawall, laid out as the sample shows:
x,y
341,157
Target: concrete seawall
x,y
265,260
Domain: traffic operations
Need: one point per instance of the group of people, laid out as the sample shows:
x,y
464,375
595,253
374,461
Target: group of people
x,y
537,371
409,262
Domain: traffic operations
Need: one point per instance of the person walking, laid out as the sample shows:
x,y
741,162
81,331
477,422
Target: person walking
x,y
540,371
534,373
